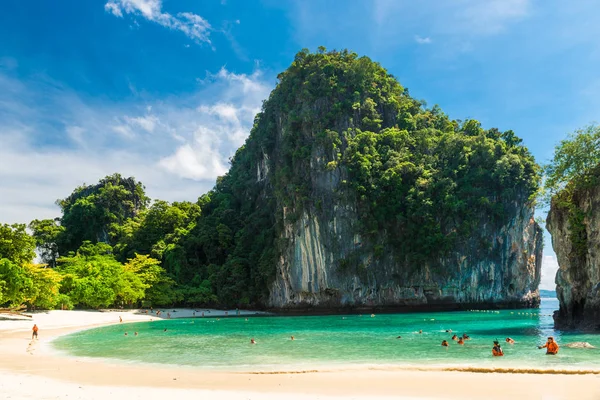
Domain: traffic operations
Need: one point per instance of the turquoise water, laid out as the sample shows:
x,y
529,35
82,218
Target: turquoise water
x,y
334,341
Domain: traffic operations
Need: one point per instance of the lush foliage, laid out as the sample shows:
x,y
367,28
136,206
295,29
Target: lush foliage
x,y
15,244
29,284
432,186
91,212
574,167
574,159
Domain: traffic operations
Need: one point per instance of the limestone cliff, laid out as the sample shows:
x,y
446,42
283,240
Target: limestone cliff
x,y
575,229
309,274
328,265
351,193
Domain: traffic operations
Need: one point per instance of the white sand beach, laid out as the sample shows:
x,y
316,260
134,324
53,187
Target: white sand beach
x,y
31,370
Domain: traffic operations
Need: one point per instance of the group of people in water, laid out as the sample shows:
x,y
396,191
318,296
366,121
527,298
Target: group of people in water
x,y
551,346
459,340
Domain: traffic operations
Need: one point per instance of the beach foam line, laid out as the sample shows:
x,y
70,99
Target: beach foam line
x,y
485,370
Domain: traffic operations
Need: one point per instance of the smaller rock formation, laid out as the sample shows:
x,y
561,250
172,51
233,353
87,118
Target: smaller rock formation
x,y
574,224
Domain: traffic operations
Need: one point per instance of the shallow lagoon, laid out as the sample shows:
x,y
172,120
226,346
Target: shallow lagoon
x,y
336,341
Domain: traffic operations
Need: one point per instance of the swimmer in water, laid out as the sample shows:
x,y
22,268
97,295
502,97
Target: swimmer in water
x,y
466,337
510,341
455,338
252,341
497,350
125,333
399,337
292,338
461,342
448,330
135,333
420,331
445,343
372,315
165,330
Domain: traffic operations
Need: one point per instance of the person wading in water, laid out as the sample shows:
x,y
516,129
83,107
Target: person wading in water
x,y
551,346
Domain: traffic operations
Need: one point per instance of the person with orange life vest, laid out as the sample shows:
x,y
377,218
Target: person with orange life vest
x,y
461,341
455,338
497,350
445,343
551,346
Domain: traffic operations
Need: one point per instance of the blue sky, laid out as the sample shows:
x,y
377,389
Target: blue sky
x,y
167,90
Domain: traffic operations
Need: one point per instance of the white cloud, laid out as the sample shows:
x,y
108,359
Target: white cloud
x,y
176,146
114,9
124,130
196,161
422,40
549,268
192,25
148,122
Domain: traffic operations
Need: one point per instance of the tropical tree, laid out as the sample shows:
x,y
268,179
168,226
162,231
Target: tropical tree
x,y
573,159
16,244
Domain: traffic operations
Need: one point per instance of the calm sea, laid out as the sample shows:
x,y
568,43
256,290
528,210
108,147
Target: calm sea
x,y
335,341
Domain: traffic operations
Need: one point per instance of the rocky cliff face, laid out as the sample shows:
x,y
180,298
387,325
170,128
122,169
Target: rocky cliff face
x,y
350,193
575,230
328,265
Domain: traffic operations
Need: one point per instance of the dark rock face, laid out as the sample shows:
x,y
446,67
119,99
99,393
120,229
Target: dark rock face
x,y
328,266
578,277
310,275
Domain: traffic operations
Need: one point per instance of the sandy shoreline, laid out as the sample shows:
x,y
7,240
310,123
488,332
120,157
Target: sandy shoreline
x,y
33,371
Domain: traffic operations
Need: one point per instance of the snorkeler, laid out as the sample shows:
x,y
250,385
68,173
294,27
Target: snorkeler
x,y
510,340
461,341
448,330
454,337
551,346
445,343
497,350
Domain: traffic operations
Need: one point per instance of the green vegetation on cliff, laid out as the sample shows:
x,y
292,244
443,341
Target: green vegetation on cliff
x,y
574,167
407,169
